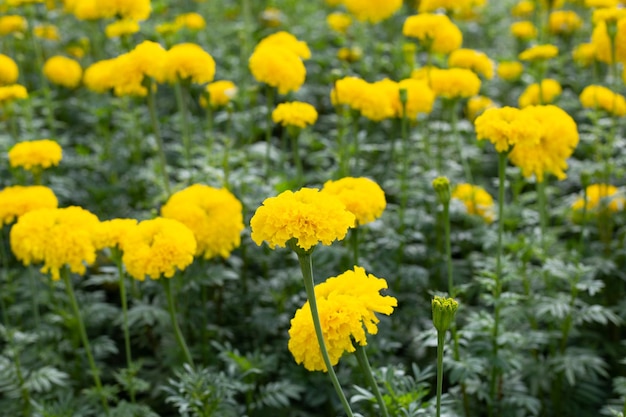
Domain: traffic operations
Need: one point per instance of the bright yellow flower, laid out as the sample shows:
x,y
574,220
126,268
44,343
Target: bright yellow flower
x,y
121,28
539,53
36,154
435,32
113,232
339,22
507,127
307,216
220,93
9,93
523,8
295,113
599,97
137,10
476,199
456,7
214,215
128,71
18,200
601,196
287,41
474,60
510,70
278,67
478,104
420,98
63,71
347,307
98,77
362,197
48,32
56,237
584,54
454,83
373,11
601,3
12,24
550,90
564,22
187,61
158,247
559,138
192,21
524,30
601,40
9,72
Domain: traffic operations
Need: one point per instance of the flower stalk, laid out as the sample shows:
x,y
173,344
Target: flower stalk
x,y
117,256
171,307
361,356
156,130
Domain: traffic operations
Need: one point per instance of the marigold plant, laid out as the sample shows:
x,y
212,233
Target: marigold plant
x,y
435,32
18,200
9,71
295,113
362,197
476,61
36,154
278,67
186,61
600,97
506,127
63,71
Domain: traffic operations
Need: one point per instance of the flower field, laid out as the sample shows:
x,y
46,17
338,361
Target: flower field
x,y
312,208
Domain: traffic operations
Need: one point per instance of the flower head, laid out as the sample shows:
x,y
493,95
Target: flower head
x,y
510,70
584,54
506,127
539,53
339,22
602,41
476,199
295,113
121,28
220,93
436,32
8,70
599,97
307,216
474,60
420,98
444,310
362,197
600,196
550,90
98,77
524,30
278,67
287,41
12,24
478,104
186,61
372,11
454,83
191,21
36,154
113,232
63,71
564,22
18,200
47,32
9,93
347,306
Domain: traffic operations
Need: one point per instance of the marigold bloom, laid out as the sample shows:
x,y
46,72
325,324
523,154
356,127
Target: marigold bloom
x,y
18,200
56,237
158,247
601,40
220,93
9,93
456,7
186,61
362,197
36,154
12,24
524,30
8,70
523,8
584,54
373,11
507,127
476,105
474,60
307,216
121,28
559,138
601,196
599,97
564,22
63,71
454,83
601,3
339,22
550,90
420,98
214,215
435,32
98,77
113,232
295,113
347,306
539,53
476,199
192,21
510,70
128,71
277,67
287,41
47,32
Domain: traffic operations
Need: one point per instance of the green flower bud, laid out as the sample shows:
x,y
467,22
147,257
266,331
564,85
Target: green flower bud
x,y
444,310
404,96
441,185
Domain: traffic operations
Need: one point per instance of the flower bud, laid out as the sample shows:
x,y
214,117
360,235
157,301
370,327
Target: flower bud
x,y
441,185
444,310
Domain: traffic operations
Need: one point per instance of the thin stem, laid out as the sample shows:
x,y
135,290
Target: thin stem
x,y
172,310
296,155
361,356
404,187
307,274
543,215
268,128
122,284
184,122
354,242
156,130
457,140
83,335
440,343
446,225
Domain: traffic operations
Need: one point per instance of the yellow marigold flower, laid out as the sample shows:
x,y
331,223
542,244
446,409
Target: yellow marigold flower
x,y
113,232
601,197
435,32
373,11
78,48
559,138
220,93
347,90
167,28
63,71
36,154
602,42
18,200
9,72
539,53
9,93
362,197
524,30
98,76
476,199
510,70
454,83
584,54
187,61
295,113
507,127
214,215
277,67
376,101
524,8
550,90
287,41
47,32
158,247
474,60
347,307
600,4
599,97
420,98
564,22
478,104
12,24
121,28
86,10
456,7
307,216
351,54
608,14
56,237
339,22
192,21
137,10
272,17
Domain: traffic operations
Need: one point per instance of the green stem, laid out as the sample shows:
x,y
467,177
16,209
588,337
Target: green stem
x,y
457,140
354,242
177,333
83,335
184,123
210,128
296,156
156,130
268,128
440,343
122,284
446,225
543,214
306,266
404,186
361,356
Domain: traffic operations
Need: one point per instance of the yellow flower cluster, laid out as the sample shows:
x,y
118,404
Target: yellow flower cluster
x,y
112,233
121,28
287,41
186,61
584,54
474,60
98,77
476,105
47,32
56,237
564,22
454,83
18,200
295,113
213,215
347,306
599,97
191,21
63,71
506,127
9,93
158,247
220,93
101,9
435,32
373,11
8,70
539,53
12,24
531,96
601,40
36,154
524,8
339,22
362,197
510,70
308,216
524,30
600,197
476,199
456,7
